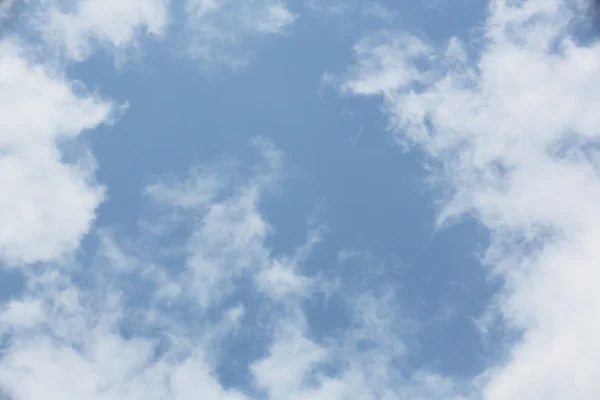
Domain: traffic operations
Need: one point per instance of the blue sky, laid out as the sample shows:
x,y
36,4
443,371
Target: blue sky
x,y
243,200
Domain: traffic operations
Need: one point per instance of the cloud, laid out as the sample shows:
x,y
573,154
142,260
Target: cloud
x,y
228,242
512,133
386,63
79,336
111,323
156,316
367,360
48,204
335,7
152,317
339,8
77,323
219,29
5,6
76,27
25,313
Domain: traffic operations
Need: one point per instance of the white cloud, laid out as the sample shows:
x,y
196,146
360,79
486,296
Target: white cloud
x,y
514,133
78,333
108,326
47,205
229,233
282,278
78,26
23,313
227,240
365,362
386,63
503,154
65,328
218,29
285,370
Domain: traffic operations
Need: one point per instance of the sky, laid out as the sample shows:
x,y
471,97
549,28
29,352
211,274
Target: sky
x,y
299,200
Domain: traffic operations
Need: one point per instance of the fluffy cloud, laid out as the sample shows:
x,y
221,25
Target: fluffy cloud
x,y
512,134
76,27
47,205
219,28
48,202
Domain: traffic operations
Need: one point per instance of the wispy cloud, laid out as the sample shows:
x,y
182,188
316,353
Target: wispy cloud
x,y
219,29
513,133
228,241
113,325
338,8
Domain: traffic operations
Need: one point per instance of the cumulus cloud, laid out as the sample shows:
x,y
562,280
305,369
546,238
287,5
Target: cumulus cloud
x,y
218,29
512,134
47,205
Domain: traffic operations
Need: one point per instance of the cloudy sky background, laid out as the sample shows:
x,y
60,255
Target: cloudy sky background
x,y
303,199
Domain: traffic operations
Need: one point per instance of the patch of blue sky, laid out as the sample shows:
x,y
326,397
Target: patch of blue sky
x,y
342,178
340,169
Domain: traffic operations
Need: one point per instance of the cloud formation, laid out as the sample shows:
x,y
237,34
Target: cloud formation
x,y
48,204
5,6
512,133
170,339
510,130
219,29
373,9
76,27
